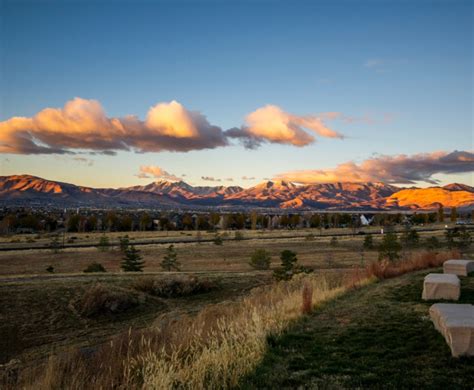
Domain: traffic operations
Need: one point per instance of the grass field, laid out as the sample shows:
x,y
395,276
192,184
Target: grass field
x,y
39,317
379,336
232,256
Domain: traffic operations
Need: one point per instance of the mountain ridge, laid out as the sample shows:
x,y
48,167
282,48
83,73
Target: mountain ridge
x,y
29,189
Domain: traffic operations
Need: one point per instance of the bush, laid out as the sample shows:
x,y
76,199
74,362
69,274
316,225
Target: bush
x,y
174,287
99,300
239,236
218,239
54,245
432,243
333,241
260,259
50,269
95,267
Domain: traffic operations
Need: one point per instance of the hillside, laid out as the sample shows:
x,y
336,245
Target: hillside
x,y
31,190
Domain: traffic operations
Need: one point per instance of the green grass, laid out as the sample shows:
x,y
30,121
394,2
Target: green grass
x,y
377,337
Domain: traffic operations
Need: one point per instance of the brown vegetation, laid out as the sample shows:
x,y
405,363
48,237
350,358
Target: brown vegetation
x,y
100,300
412,262
210,350
172,287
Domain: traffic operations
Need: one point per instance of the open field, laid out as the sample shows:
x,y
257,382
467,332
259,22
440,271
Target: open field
x,y
232,256
80,240
379,336
37,316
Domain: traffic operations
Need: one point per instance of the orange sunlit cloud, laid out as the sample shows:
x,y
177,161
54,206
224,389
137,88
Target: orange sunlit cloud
x,y
401,169
153,171
82,124
272,124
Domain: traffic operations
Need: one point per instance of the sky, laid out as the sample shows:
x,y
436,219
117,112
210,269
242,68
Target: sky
x,y
119,93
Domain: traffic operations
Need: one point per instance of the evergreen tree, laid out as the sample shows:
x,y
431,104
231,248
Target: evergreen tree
x,y
170,261
389,248
124,243
410,238
132,260
103,245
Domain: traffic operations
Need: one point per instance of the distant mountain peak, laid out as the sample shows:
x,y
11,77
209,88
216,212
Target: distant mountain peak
x,y
28,189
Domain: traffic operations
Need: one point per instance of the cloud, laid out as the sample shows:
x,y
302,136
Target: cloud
x,y
84,160
83,124
209,178
401,169
272,124
248,178
153,171
229,179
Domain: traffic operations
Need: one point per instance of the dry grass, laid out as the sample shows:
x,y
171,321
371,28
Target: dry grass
x,y
100,299
212,349
173,287
412,262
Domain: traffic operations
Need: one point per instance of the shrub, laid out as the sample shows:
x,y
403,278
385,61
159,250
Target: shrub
x,y
99,300
50,269
333,241
432,243
170,261
458,238
132,261
218,239
238,236
260,259
174,287
95,267
54,245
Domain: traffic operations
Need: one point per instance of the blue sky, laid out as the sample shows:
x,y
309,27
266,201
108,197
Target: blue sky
x,y
405,65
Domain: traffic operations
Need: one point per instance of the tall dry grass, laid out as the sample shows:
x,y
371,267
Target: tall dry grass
x,y
411,262
211,350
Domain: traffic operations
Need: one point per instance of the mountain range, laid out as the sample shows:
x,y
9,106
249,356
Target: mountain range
x,y
27,190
